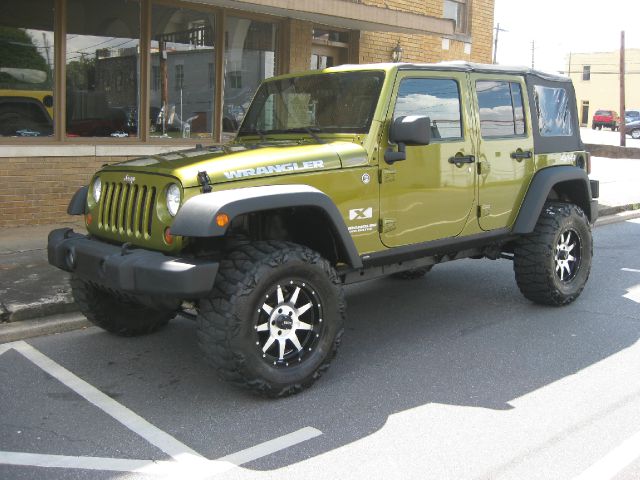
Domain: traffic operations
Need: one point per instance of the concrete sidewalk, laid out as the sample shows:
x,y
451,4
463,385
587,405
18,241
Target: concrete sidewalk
x,y
31,291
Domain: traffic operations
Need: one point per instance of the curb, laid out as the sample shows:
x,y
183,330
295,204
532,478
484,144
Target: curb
x,y
49,318
11,332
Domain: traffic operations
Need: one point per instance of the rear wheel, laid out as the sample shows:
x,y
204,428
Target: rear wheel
x,y
553,263
635,133
118,314
275,317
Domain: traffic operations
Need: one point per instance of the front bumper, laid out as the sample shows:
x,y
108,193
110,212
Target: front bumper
x,y
134,271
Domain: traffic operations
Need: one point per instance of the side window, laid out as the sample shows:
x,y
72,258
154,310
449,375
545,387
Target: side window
x,y
501,109
554,111
436,98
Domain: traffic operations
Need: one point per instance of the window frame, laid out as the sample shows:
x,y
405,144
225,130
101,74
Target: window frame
x,y
586,73
461,138
523,89
461,27
143,139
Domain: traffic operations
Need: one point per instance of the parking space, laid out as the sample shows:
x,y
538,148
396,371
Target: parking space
x,y
452,376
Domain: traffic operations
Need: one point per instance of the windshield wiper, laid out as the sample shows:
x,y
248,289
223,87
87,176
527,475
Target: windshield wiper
x,y
310,130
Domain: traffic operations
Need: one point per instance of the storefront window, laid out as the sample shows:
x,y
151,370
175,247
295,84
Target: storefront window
x,y
249,58
26,68
182,66
103,66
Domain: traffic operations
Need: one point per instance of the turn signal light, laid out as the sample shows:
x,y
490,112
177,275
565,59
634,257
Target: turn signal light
x,y
168,238
88,218
222,220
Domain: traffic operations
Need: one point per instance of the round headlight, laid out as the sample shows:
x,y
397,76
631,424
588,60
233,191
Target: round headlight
x,y
173,199
97,189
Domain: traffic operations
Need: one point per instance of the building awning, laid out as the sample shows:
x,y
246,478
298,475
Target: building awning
x,y
344,14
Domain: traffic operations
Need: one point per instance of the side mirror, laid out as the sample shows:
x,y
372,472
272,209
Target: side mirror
x,y
409,130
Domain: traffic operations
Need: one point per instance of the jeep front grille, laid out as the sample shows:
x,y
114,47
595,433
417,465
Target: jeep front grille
x,y
127,209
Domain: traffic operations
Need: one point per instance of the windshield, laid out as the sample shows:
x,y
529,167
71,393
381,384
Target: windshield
x,y
326,103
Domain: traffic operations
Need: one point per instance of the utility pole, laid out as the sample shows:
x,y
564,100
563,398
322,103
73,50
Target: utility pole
x,y
623,136
495,42
533,54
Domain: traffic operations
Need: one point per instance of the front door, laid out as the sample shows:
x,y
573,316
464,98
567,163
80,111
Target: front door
x,y
506,160
429,195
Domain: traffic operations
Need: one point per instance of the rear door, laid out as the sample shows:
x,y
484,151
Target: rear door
x,y
506,160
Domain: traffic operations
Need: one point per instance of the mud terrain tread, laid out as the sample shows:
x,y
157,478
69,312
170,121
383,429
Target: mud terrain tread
x,y
533,252
116,314
218,324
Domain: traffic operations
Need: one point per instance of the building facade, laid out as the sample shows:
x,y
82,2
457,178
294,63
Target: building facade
x,y
89,82
596,78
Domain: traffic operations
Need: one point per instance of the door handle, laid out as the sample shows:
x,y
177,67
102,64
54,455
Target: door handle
x,y
458,160
519,155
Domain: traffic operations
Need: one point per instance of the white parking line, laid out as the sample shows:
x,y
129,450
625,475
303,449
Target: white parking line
x,y
630,270
613,462
186,463
119,412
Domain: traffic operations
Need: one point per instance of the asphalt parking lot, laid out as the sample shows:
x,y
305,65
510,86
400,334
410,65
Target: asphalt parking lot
x,y
452,376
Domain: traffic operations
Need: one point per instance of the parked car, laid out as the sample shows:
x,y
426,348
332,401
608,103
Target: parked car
x,y
605,118
633,128
631,116
335,177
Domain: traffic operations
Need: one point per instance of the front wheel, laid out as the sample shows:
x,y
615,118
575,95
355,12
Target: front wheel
x,y
275,317
118,314
635,133
553,263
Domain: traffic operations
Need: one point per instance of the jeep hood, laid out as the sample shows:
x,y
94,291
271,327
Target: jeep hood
x,y
244,161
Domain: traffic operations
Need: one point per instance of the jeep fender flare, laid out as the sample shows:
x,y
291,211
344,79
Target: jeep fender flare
x,y
540,187
78,203
196,217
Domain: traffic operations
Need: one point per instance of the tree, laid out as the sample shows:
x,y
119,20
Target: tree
x,y
18,51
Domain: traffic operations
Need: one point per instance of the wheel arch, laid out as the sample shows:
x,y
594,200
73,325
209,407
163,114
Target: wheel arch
x,y
555,183
290,201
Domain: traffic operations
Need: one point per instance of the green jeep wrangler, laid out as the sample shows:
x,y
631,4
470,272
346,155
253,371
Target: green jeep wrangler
x,y
335,177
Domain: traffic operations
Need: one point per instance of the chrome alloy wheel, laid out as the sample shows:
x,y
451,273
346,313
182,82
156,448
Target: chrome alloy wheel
x,y
289,323
567,256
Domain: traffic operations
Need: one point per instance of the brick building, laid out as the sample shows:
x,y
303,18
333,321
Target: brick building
x,y
89,82
596,78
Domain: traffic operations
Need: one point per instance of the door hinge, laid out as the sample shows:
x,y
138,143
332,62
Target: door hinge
x,y
484,210
386,175
387,225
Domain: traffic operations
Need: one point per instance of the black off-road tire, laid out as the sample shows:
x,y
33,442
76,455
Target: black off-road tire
x,y
413,274
237,321
117,314
542,263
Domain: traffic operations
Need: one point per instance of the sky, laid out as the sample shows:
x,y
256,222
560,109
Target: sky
x,y
559,27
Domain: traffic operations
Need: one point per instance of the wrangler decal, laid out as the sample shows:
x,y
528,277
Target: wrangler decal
x,y
269,169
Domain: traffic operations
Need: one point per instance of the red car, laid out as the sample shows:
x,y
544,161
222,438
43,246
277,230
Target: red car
x,y
605,118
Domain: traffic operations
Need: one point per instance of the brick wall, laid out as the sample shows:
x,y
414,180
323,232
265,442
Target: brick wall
x,y
377,46
37,190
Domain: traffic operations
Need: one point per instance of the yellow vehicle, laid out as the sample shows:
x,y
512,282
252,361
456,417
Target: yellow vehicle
x,y
26,113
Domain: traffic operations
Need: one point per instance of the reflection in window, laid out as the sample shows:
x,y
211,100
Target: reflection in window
x,y
183,51
249,59
501,109
102,68
435,98
26,68
554,111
